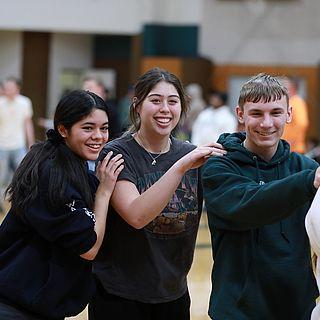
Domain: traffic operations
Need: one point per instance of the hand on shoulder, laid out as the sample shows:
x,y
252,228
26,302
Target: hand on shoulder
x,y
108,171
197,157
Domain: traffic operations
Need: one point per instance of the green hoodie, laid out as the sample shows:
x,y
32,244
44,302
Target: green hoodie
x,y
256,211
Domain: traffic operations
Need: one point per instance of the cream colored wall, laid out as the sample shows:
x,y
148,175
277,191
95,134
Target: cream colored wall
x,y
10,54
66,51
96,16
174,11
261,32
82,16
231,31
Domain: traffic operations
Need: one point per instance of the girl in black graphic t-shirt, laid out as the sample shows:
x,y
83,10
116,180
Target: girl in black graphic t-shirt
x,y
142,267
56,222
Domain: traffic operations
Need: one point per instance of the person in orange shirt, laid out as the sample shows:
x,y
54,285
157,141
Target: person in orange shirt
x,y
296,131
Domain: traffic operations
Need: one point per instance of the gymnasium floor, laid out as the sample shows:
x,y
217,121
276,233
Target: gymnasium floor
x,y
199,276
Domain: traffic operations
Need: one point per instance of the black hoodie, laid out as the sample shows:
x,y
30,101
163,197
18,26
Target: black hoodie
x,y
41,270
256,211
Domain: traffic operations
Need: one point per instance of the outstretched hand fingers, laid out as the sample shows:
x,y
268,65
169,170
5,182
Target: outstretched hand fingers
x,y
217,149
195,158
201,154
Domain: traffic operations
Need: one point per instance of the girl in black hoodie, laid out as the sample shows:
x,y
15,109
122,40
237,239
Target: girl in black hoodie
x,y
57,218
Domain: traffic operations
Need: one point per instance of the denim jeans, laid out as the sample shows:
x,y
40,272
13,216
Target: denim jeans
x,y
9,161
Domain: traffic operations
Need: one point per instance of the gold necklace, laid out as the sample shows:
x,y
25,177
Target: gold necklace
x,y
154,159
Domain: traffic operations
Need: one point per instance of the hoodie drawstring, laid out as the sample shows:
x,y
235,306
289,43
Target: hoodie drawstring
x,y
259,179
258,175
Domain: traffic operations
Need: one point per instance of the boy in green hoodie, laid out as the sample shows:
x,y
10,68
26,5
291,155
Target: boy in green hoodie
x,y
257,197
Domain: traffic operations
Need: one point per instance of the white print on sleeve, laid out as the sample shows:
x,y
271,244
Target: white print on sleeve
x,y
88,212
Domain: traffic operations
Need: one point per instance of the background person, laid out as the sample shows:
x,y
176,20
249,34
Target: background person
x,y
214,120
197,104
124,108
16,130
95,84
295,132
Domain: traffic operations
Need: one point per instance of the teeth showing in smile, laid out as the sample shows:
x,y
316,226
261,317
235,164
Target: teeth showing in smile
x,y
94,146
163,120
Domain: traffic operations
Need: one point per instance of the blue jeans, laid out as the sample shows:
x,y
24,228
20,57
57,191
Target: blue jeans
x,y
9,161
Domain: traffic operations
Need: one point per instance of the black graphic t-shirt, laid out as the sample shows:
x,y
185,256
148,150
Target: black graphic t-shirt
x,y
151,264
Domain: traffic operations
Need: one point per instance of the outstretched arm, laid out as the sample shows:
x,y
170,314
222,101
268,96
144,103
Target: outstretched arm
x,y
237,202
140,209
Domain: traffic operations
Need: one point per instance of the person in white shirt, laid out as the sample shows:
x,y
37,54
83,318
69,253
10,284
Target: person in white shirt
x,y
216,119
16,130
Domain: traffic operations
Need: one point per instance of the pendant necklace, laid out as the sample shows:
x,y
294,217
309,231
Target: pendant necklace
x,y
154,159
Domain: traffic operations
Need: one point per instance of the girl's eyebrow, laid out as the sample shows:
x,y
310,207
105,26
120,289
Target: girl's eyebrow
x,y
93,123
160,95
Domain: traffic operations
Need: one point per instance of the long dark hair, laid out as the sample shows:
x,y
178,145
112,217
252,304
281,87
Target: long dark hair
x,y
67,167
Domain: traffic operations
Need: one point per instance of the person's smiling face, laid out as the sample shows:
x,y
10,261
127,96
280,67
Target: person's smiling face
x,y
160,111
87,137
264,124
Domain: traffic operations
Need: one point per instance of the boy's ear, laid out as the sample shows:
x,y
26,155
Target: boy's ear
x,y
289,115
239,113
62,130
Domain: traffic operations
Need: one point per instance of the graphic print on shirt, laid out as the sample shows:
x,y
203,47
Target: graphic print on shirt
x,y
181,213
89,213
